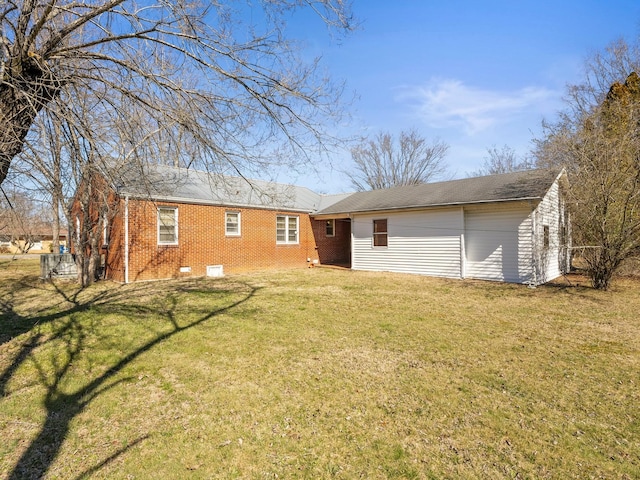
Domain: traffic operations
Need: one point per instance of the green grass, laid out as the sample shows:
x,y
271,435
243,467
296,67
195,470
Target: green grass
x,y
317,373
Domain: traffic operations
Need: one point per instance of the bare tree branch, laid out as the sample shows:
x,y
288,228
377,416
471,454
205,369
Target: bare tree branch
x,y
383,162
247,76
597,139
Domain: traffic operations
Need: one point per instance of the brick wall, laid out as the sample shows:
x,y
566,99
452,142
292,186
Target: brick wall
x,y
336,249
202,241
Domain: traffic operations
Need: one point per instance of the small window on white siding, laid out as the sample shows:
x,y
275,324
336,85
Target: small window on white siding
x,y
545,236
330,228
232,224
286,229
380,235
167,226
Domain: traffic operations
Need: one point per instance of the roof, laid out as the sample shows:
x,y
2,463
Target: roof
x,y
526,185
161,182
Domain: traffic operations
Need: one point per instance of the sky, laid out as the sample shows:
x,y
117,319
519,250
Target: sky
x,y
475,74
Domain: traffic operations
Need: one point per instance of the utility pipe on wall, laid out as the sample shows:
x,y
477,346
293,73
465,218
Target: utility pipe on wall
x,y
126,239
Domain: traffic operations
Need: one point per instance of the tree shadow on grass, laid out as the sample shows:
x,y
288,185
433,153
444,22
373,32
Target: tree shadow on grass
x,y
62,407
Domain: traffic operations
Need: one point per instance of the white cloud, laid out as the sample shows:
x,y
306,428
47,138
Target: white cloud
x,y
448,103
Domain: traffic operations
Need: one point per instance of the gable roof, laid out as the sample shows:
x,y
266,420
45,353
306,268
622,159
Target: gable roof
x,y
182,185
526,185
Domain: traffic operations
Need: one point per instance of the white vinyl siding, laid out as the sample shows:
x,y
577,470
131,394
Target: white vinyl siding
x,y
498,242
494,241
425,242
551,260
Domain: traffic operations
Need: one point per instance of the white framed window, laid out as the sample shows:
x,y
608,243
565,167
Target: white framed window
x,y
330,228
286,229
380,234
167,226
232,224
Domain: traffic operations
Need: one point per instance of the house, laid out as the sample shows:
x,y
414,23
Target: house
x,y
171,222
36,240
512,227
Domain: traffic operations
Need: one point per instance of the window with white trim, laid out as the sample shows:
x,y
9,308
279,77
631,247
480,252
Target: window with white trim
x,y
232,224
380,234
286,229
167,226
330,228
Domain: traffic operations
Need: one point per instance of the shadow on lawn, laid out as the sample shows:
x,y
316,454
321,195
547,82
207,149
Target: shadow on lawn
x,y
62,407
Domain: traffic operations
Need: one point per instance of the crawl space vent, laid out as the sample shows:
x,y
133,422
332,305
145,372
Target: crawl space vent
x,y
215,271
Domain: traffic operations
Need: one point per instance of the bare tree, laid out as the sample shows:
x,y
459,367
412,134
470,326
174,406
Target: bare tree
x,y
384,162
89,88
502,160
230,86
598,140
22,219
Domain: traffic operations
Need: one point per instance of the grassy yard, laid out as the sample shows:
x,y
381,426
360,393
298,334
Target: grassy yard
x,y
317,373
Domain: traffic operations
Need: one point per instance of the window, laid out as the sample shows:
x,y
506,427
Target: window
x,y
380,233
564,235
286,229
545,238
232,223
167,226
330,228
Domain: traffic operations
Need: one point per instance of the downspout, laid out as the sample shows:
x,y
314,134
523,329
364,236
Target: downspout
x,y
534,250
352,247
126,239
463,253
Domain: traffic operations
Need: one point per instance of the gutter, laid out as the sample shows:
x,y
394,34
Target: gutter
x,y
345,214
196,201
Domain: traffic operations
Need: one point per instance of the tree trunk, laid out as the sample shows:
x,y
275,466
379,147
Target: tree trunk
x,y
25,88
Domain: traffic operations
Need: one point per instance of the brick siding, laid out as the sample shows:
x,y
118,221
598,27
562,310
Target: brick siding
x,y
335,250
202,241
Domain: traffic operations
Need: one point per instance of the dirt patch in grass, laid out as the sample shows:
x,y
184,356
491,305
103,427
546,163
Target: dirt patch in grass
x,y
318,373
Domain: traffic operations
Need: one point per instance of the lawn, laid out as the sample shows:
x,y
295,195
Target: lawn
x,y
317,373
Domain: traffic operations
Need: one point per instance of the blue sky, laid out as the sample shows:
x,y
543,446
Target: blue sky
x,y
472,73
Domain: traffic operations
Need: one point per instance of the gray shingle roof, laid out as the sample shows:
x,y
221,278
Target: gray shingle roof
x,y
161,182
532,184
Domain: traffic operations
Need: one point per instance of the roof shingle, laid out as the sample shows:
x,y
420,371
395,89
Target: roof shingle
x,y
531,184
